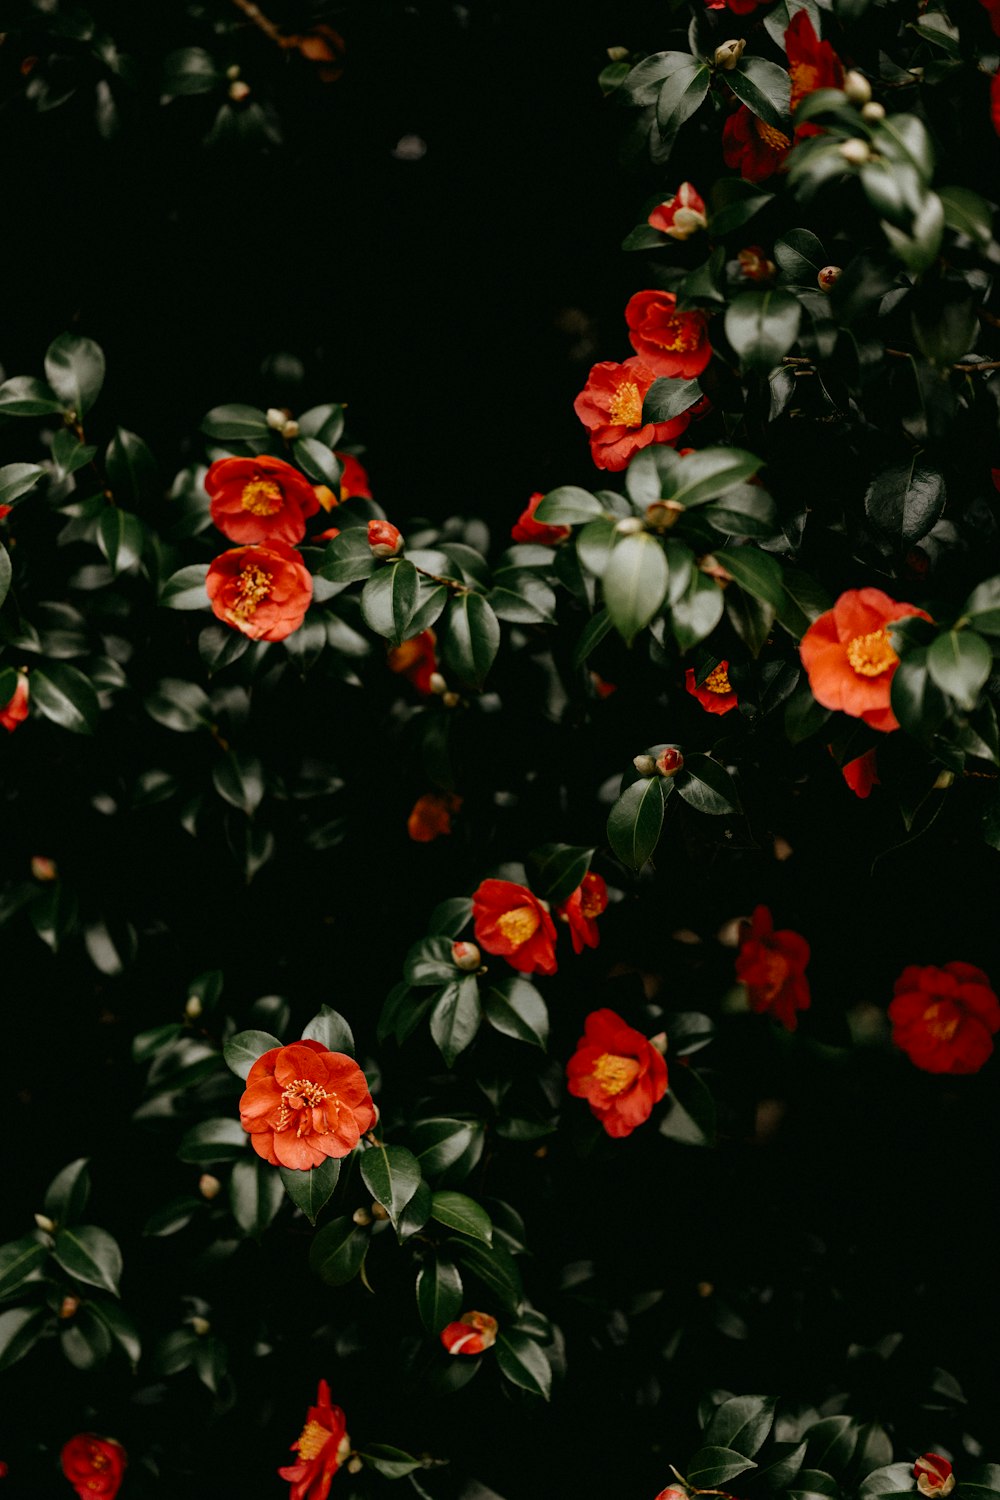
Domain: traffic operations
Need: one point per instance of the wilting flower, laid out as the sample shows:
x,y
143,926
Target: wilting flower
x,y
94,1465
263,591
610,405
431,816
415,660
384,539
303,1103
527,529
322,1446
512,922
354,481
15,710
259,499
715,693
757,150
849,657
619,1073
861,774
812,65
682,215
581,909
945,1019
772,965
668,342
933,1475
474,1332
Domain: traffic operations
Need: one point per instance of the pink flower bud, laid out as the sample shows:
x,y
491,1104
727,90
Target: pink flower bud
x,y
384,539
827,279
669,761
467,956
44,869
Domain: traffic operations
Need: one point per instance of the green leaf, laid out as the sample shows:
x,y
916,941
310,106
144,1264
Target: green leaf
x,y
311,1190
239,780
463,1214
91,1255
889,1479
348,557
742,1423
255,1195
523,598
523,1363
20,1329
804,601
515,1008
316,460
681,92
813,1484
831,1444
213,1140
439,1291
67,1193
337,1252
692,478
735,203
440,1143
763,326
707,786
392,1175
968,214
800,257
65,696
568,506
472,639
596,628
324,422
21,396
391,1463
785,1461
905,500
764,88
557,869
714,1465
756,572
668,398
132,469
179,705
497,1269
189,70
243,1050
960,662
455,1018
982,607
594,544
121,537
235,422
636,819
691,1116
635,583
185,589
329,1027
16,480
19,1260
121,1328
389,599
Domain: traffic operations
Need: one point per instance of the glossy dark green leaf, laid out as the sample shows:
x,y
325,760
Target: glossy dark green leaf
x,y
523,1362
220,1139
22,396
121,537
557,869
242,1050
19,1261
594,544
634,583
440,1142
756,571
960,662
66,1196
439,1291
764,88
472,638
967,213
690,1117
455,1018
179,705
707,786
239,780
65,696
714,1465
905,500
463,1214
596,628
830,1445
20,1330
392,1175
234,421
668,398
734,203
389,599
330,1028
255,1195
337,1252
742,1423
16,480
681,92
515,1008
568,506
391,1463
497,1269
89,1254
311,1190
316,460
185,589
635,821
763,326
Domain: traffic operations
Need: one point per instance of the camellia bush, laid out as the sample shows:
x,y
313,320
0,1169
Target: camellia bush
x,y
480,1005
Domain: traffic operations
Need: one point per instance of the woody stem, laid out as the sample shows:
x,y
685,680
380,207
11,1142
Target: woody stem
x,y
256,15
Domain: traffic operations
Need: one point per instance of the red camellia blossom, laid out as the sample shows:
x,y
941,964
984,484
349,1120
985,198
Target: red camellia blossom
x,y
384,539
995,102
933,1475
772,965
415,660
945,1019
259,499
812,65
849,657
610,405
992,7
668,342
94,1465
303,1104
15,710
474,1332
263,591
682,215
715,693
861,774
619,1073
512,922
756,150
5,511
581,910
322,1446
672,1493
431,816
738,8
527,529
354,481
327,535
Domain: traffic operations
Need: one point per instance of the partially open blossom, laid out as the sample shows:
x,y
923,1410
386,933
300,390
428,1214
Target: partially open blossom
x,y
466,956
581,909
849,657
511,921
322,1446
94,1465
324,48
354,481
682,215
715,693
668,342
772,965
669,761
933,1475
384,539
43,868
738,8
263,591
527,529
610,405
618,1071
15,710
472,1334
303,1103
755,265
945,1019
812,65
828,276
259,499
861,774
415,660
431,816
754,148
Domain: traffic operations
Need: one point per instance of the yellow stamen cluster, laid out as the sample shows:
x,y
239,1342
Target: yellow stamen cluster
x,y
679,335
312,1440
262,497
614,1074
871,655
252,588
942,1030
625,406
519,925
770,136
717,681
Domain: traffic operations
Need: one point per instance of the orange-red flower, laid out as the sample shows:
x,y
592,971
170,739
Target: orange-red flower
x,y
527,529
512,922
668,342
94,1465
474,1332
610,405
5,511
259,499
354,481
993,9
581,910
995,102
619,1073
415,660
738,8
812,65
327,535
322,1446
15,710
672,1492
861,774
772,965
715,693
384,539
757,150
263,591
755,265
934,1475
945,1019
684,214
303,1104
849,657
431,816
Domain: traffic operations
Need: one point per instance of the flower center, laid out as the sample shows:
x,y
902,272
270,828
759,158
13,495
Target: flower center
x,y
775,968
591,904
98,1460
871,655
678,334
805,79
770,136
262,497
519,925
942,1021
613,1074
625,406
252,588
717,681
313,1440
301,1096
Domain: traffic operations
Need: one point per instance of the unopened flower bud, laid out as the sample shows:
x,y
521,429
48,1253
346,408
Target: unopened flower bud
x,y
44,1222
628,525
450,700
644,764
670,761
200,1326
933,1475
233,71
193,1007
659,1041
208,1186
44,869
944,780
856,151
466,956
755,265
238,91
472,1334
617,54
276,418
687,221
354,1465
728,55
873,112
68,1307
378,1212
828,277
361,1217
384,539
705,1289
857,88
663,514
290,429
436,683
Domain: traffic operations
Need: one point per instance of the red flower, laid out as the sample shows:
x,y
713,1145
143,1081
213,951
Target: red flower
x,y
581,910
993,7
259,499
327,535
755,265
94,1465
415,660
431,816
668,342
945,1019
812,65
684,214
772,965
384,539
527,529
5,511
354,481
610,405
738,8
303,1104
601,687
618,1072
861,774
715,693
262,591
322,1446
755,149
672,1492
512,922
474,1332
849,658
15,710
995,102
933,1475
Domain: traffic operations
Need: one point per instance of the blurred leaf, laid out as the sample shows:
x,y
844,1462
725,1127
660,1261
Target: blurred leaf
x,y
67,1193
185,589
121,537
19,1260
20,1330
557,869
568,506
960,662
635,583
65,696
132,469
329,1027
763,326
16,480
22,396
391,1463
220,1139
515,1008
179,705
245,423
